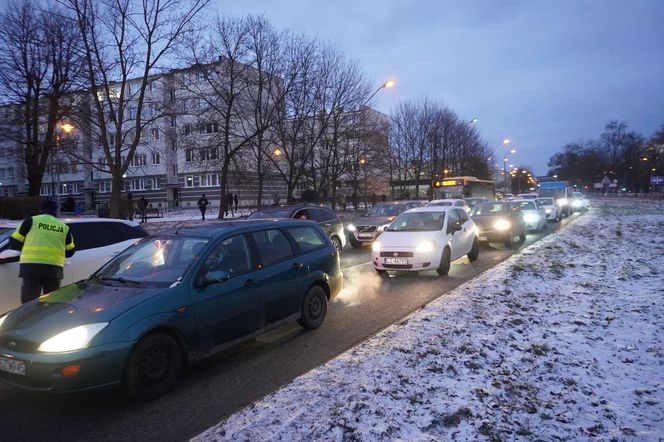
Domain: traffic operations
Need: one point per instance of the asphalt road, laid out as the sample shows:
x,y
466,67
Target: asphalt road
x,y
216,387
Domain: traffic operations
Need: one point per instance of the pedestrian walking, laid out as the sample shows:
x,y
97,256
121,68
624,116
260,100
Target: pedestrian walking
x,y
129,207
236,200
202,205
143,209
44,242
228,204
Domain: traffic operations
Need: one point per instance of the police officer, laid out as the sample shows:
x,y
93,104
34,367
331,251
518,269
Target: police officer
x,y
44,242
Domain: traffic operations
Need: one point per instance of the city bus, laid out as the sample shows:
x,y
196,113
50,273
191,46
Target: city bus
x,y
464,187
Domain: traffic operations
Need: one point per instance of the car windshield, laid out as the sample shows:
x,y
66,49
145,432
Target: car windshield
x,y
440,203
5,232
418,222
577,195
545,201
154,261
557,193
272,213
490,209
386,210
527,205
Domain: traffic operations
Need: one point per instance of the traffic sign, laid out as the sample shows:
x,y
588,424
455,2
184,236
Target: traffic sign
x,y
656,180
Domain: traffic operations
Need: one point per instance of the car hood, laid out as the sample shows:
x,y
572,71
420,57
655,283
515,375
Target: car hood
x,y
374,220
84,302
486,222
406,239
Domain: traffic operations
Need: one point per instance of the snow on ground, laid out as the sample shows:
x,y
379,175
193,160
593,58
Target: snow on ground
x,y
560,342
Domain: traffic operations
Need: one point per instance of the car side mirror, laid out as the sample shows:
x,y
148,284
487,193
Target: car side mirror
x,y
214,277
454,227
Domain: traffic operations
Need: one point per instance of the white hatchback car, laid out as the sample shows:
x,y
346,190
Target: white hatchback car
x,y
97,240
426,238
550,209
533,215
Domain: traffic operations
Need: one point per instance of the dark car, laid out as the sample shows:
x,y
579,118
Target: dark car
x,y
169,300
323,215
499,222
366,228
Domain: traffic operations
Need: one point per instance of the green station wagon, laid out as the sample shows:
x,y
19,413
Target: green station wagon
x,y
169,300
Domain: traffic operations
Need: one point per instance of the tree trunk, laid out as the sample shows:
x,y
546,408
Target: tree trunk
x,y
116,194
223,178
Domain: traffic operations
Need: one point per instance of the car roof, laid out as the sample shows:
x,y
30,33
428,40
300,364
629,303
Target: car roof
x,y
15,223
224,227
431,209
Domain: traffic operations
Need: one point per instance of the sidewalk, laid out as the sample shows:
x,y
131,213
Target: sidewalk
x,y
563,341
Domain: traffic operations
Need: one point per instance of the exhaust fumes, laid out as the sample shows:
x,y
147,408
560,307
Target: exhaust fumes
x,y
359,287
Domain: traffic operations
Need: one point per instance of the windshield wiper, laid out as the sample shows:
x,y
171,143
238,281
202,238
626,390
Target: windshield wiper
x,y
121,280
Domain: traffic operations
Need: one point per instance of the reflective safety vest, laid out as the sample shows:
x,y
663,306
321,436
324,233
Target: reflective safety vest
x,y
45,243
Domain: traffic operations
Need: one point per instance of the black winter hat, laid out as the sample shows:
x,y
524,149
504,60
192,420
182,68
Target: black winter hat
x,y
49,206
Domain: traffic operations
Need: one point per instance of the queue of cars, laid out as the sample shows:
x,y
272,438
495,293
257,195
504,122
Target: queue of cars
x,y
156,303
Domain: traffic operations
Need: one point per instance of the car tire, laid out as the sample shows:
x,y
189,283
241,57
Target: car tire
x,y
445,261
337,243
509,240
314,308
474,251
153,367
522,237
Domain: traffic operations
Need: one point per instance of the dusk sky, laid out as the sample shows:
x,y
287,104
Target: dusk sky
x,y
541,73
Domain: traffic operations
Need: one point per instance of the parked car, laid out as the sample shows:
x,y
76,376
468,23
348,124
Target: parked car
x,y
426,238
168,300
472,202
579,202
325,216
450,202
97,241
499,222
550,209
365,229
533,215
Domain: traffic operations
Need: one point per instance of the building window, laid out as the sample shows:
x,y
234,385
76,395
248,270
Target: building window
x,y
156,159
104,187
209,128
187,130
46,189
192,181
208,154
136,184
2,173
154,183
139,160
154,133
210,180
189,155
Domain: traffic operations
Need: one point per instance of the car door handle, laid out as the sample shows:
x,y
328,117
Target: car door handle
x,y
250,282
297,265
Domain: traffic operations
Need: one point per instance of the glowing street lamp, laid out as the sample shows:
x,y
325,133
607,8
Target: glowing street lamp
x,y
386,85
67,129
277,152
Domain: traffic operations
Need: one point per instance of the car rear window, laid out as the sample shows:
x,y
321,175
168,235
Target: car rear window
x,y
271,213
490,209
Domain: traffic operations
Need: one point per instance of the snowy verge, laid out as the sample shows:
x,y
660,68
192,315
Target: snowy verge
x,y
562,341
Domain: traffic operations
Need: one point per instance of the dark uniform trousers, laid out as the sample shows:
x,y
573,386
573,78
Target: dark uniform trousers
x,y
32,287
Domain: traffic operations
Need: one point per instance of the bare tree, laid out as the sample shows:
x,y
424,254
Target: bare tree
x,y
123,43
39,67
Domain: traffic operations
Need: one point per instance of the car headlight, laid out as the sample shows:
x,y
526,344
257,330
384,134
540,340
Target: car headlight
x,y
73,339
425,246
351,227
576,203
502,224
3,319
375,246
383,227
531,217
562,202
548,211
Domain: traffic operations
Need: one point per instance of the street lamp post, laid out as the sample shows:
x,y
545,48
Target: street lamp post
x,y
388,84
67,129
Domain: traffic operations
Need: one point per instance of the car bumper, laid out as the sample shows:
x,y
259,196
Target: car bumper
x,y
99,366
414,261
336,284
493,236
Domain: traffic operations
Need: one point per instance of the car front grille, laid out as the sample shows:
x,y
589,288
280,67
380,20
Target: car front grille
x,y
366,228
396,254
398,266
19,345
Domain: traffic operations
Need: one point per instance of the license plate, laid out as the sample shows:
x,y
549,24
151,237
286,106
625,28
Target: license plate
x,y
364,235
398,261
12,365
482,238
